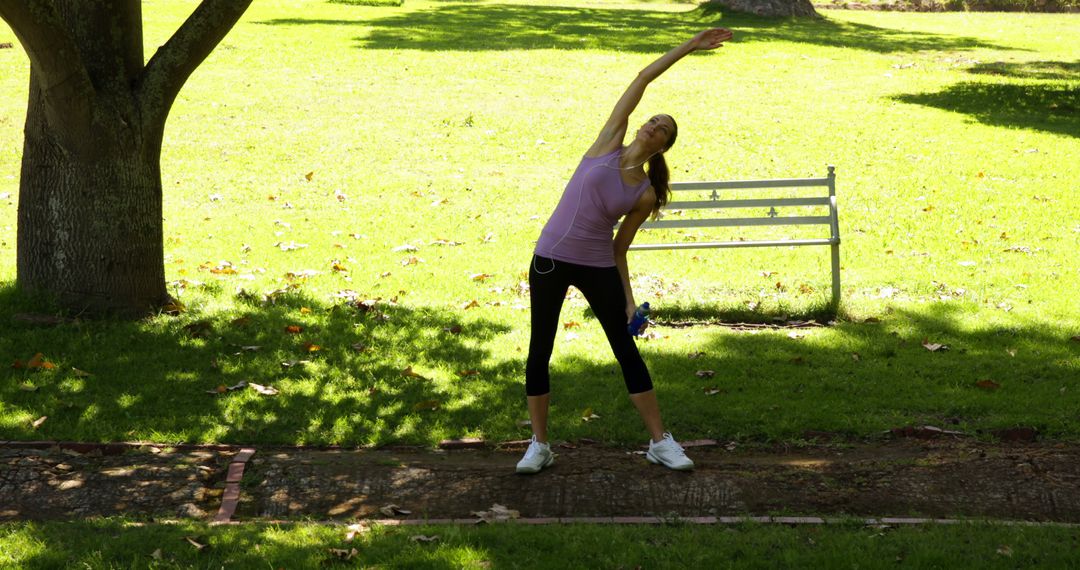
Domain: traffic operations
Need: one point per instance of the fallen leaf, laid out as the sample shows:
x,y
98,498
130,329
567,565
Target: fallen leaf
x,y
571,325
359,347
712,391
480,277
198,546
28,387
705,373
408,372
309,175
250,348
406,248
470,305
38,361
456,329
294,329
426,405
695,355
354,530
933,347
496,513
988,384
470,372
156,555
37,423
344,554
855,356
422,538
393,510
264,390
1005,550
588,415
80,373
1075,338
311,347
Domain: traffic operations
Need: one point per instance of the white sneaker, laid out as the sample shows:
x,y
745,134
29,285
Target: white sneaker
x,y
537,457
668,453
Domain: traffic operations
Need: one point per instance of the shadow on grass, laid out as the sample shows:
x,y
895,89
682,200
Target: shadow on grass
x,y
1045,107
494,27
1050,70
346,373
854,379
148,380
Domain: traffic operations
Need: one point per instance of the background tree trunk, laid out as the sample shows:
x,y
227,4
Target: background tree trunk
x,y
773,8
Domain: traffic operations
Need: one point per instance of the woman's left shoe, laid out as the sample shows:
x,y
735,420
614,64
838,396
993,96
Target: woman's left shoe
x,y
668,453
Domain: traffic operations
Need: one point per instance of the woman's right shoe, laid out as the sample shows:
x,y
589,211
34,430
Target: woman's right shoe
x,y
537,457
669,453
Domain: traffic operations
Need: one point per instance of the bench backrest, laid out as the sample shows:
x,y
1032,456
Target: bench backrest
x,y
825,197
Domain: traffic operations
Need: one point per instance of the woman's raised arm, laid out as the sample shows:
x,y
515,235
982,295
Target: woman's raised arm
x,y
611,136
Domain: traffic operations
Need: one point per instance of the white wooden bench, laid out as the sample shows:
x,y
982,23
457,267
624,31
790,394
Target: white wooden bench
x,y
824,198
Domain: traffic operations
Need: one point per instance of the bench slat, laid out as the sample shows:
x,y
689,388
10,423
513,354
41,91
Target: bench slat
x,y
786,221
749,203
715,244
735,184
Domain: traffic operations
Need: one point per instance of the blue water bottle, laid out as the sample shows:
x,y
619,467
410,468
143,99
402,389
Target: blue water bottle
x,y
640,316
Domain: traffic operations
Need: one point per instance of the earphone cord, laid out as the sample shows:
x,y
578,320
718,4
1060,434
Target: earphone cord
x,y
577,208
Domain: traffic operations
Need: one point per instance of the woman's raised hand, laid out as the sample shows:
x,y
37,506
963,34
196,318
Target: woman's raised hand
x,y
710,39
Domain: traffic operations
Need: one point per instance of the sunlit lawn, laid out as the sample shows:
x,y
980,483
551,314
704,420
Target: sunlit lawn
x,y
329,153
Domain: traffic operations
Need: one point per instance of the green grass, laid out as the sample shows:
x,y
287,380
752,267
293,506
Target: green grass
x,y
119,544
452,126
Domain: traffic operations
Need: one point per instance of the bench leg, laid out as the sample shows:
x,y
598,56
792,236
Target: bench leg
x,y
835,276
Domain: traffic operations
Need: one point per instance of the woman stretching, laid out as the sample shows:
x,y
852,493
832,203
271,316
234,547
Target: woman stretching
x,y
576,248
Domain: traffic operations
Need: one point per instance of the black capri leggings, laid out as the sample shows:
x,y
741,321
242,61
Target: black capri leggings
x,y
602,287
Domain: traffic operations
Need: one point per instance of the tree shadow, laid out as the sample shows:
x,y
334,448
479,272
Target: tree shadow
x,y
1050,108
1049,70
852,379
347,373
504,27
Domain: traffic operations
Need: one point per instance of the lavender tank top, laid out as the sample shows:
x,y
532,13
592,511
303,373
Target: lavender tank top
x,y
581,228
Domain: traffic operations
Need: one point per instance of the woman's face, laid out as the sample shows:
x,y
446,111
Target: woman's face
x,y
656,132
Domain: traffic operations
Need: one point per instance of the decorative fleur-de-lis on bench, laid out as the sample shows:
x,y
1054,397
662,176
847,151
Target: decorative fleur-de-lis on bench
x,y
772,212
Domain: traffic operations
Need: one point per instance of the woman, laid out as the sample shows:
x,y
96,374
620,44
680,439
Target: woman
x,y
576,248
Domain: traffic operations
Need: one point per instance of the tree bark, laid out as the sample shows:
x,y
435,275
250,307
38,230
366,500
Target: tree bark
x,y
90,195
769,8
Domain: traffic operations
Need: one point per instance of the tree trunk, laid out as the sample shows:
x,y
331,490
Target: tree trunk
x,y
90,217
90,196
770,8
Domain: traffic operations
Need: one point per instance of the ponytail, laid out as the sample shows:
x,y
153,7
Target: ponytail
x,y
658,176
658,172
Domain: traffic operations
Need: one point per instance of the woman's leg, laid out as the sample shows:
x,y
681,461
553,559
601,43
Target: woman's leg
x,y
602,288
548,282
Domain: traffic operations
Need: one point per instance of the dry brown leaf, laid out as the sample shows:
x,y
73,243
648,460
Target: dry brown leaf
x,y
470,372
38,362
480,277
312,347
456,329
705,373
410,373
37,423
588,415
712,391
571,325
426,405
988,384
294,329
309,175
470,305
695,355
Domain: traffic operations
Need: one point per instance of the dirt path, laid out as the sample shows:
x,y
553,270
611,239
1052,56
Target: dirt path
x,y
901,478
